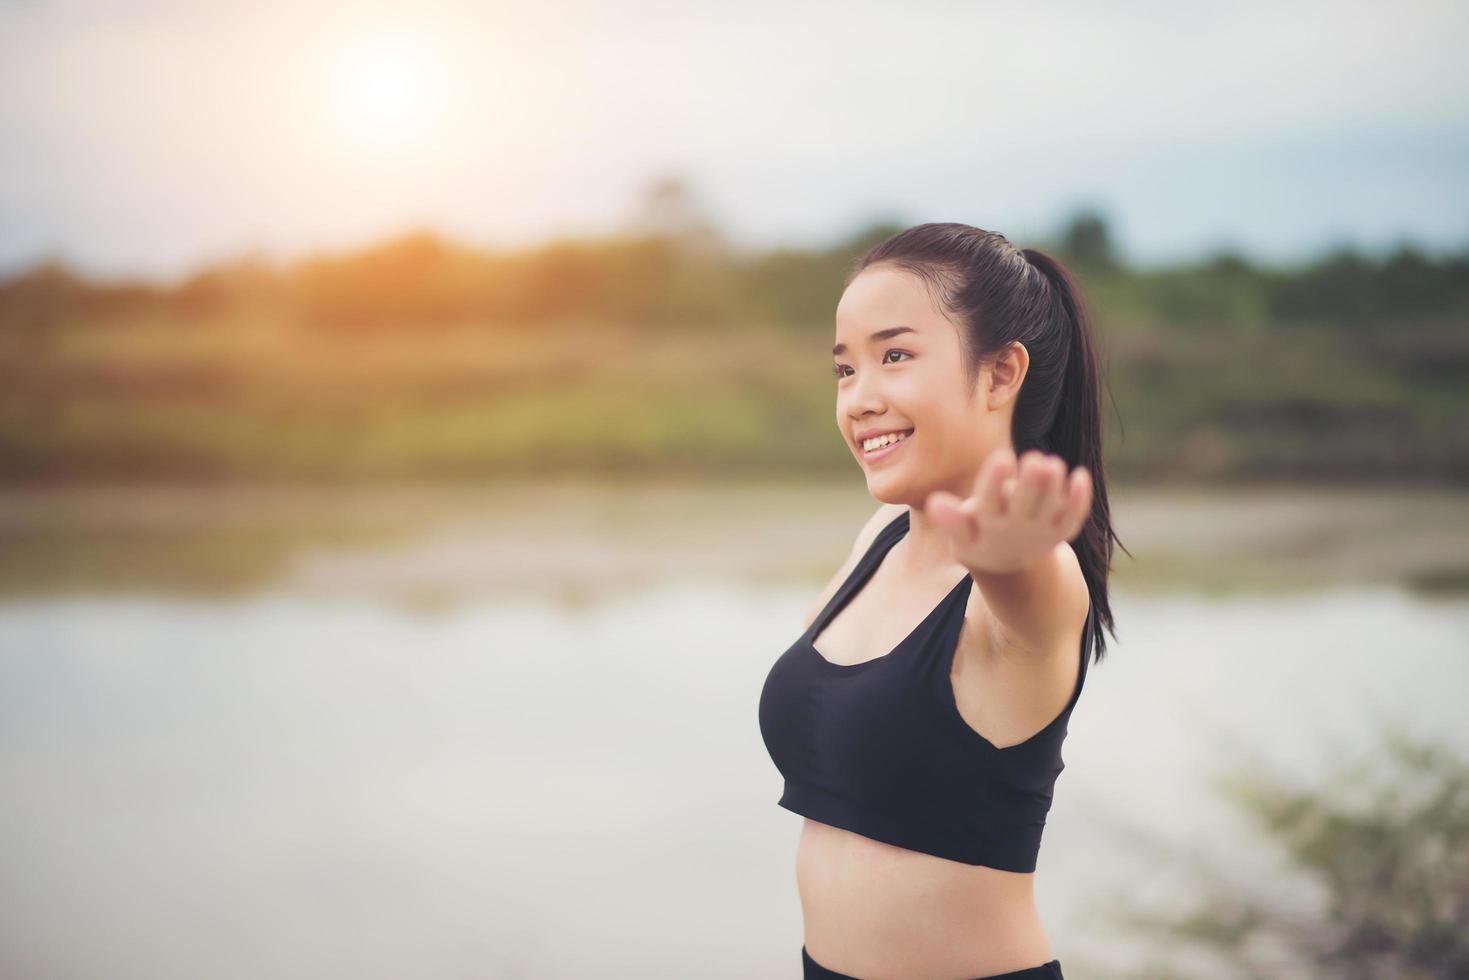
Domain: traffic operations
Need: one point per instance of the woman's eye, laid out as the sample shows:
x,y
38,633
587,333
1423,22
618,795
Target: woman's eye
x,y
837,369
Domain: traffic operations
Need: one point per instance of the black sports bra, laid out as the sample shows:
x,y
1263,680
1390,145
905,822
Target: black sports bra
x,y
879,747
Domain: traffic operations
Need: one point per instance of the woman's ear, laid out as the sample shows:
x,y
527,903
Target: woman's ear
x,y
1005,375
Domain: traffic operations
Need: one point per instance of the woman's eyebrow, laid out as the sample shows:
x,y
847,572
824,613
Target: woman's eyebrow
x,y
878,335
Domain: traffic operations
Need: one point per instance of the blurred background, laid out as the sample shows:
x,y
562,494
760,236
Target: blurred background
x,y
417,442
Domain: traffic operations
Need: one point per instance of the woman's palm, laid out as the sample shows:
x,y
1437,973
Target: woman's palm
x,y
1012,520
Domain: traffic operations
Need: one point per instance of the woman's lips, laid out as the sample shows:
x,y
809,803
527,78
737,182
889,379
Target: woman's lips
x,y
887,450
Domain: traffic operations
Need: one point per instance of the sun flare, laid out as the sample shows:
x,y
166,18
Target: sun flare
x,y
384,93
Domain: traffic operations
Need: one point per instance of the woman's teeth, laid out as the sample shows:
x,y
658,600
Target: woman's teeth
x,y
884,440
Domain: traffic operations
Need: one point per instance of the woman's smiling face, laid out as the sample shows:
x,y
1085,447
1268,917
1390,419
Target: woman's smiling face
x,y
900,373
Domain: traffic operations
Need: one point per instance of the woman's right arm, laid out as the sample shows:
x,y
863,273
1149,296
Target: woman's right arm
x,y
880,519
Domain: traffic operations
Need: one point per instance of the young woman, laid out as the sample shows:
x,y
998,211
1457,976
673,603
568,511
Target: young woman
x,y
918,721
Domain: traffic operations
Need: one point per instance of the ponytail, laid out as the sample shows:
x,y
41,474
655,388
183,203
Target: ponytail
x,y
1075,434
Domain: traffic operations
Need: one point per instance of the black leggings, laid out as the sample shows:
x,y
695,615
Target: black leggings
x,y
1046,971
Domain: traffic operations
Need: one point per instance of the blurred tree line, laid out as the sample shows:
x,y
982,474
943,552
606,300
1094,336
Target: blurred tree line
x,y
419,280
667,347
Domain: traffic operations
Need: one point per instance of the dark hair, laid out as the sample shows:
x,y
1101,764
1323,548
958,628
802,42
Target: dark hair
x,y
998,295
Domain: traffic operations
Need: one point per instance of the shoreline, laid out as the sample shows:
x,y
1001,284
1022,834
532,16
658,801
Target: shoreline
x,y
435,542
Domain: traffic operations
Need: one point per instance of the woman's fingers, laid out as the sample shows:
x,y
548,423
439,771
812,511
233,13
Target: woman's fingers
x,y
1036,487
990,487
1056,511
951,513
1078,502
1041,477
970,506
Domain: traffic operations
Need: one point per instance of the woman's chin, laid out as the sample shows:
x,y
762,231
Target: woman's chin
x,y
885,480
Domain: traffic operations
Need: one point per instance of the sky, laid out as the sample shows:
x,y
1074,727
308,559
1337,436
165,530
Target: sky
x,y
151,138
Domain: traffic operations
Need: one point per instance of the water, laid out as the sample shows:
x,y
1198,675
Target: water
x,y
278,785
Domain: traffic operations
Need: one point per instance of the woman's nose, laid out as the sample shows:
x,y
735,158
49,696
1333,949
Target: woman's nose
x,y
863,397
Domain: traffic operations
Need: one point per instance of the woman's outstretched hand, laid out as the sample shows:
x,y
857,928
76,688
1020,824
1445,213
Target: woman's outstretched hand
x,y
1011,521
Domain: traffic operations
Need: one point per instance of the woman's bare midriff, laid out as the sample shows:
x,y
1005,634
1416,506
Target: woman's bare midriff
x,y
881,912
